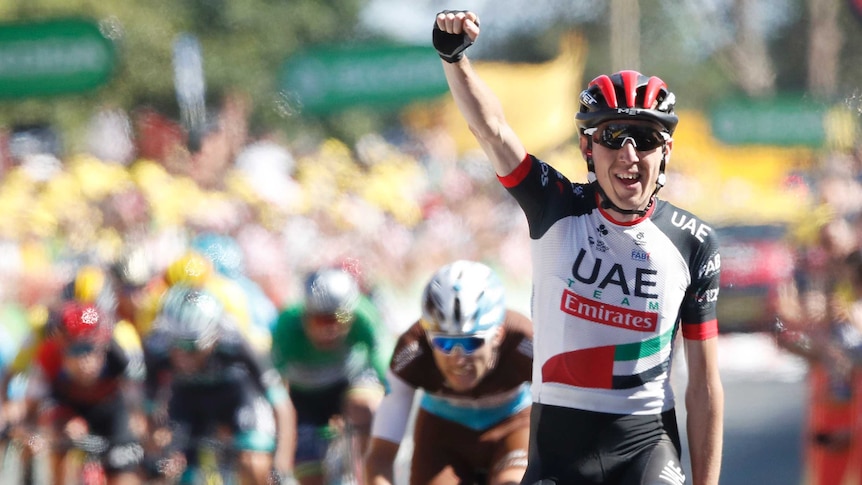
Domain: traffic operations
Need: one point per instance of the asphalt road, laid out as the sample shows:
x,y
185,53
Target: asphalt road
x,y
763,433
765,410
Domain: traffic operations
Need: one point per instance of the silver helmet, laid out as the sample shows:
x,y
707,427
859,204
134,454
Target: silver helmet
x,y
331,292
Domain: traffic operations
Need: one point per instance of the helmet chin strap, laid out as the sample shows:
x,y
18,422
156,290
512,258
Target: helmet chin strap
x,y
606,202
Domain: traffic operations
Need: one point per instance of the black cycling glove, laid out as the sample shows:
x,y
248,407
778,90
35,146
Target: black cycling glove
x,y
451,47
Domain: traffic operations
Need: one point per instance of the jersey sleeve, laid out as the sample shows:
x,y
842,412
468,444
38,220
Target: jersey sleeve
x,y
699,308
259,366
545,195
392,416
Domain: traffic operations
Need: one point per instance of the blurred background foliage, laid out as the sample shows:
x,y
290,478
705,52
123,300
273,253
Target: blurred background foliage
x,y
706,49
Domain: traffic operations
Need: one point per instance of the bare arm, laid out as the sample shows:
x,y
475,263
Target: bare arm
x,y
379,462
704,399
479,106
285,420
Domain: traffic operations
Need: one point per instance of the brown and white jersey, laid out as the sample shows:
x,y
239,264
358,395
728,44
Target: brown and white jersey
x,y
503,392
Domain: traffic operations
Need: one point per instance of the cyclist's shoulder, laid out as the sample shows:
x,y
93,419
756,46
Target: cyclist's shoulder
x,y
669,213
48,356
683,228
517,322
412,352
291,315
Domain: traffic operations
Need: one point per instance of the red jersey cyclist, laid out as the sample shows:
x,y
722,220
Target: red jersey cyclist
x,y
92,386
472,358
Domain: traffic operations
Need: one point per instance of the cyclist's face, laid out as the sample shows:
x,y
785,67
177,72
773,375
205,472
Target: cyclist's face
x,y
326,331
628,174
464,371
84,365
188,361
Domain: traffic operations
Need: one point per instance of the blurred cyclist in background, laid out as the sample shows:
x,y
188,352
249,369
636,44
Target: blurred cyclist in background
x,y
228,260
84,383
204,380
473,359
332,350
92,285
194,269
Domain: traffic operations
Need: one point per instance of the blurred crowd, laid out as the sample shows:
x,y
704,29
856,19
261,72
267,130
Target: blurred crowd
x,y
391,209
140,192
819,314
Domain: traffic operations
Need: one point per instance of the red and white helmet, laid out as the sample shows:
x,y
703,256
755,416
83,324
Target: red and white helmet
x,y
84,322
626,95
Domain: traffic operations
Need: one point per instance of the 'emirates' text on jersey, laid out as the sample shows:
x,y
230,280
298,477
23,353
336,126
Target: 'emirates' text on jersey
x,y
608,296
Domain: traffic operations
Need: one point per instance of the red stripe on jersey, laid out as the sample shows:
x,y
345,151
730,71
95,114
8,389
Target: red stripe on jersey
x,y
592,368
518,174
700,331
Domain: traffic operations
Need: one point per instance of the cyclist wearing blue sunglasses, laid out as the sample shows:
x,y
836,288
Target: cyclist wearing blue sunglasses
x,y
618,275
472,359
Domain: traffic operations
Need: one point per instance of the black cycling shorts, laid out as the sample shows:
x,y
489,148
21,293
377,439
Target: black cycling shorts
x,y
575,447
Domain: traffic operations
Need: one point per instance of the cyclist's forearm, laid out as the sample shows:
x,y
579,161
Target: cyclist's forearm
x,y
483,112
379,462
285,418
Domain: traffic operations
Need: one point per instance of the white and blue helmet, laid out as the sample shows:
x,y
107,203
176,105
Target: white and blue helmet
x,y
463,298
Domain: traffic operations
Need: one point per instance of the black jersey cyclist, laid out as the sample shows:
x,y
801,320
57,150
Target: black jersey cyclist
x,y
213,383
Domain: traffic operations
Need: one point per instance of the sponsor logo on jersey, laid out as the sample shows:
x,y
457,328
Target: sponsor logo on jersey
x,y
578,190
686,223
544,169
708,296
605,314
642,282
598,244
404,356
640,255
711,267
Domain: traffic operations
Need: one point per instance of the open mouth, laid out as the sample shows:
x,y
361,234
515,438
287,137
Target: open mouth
x,y
628,178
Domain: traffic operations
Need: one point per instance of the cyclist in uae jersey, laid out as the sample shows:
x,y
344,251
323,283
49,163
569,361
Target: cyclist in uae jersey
x,y
472,359
617,273
332,350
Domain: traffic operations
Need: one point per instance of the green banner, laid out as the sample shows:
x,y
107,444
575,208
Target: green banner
x,y
53,57
326,80
784,120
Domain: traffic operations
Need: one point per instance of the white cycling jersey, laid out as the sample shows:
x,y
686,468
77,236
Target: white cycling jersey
x,y
609,296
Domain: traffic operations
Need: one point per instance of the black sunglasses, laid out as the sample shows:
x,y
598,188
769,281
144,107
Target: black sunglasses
x,y
644,138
